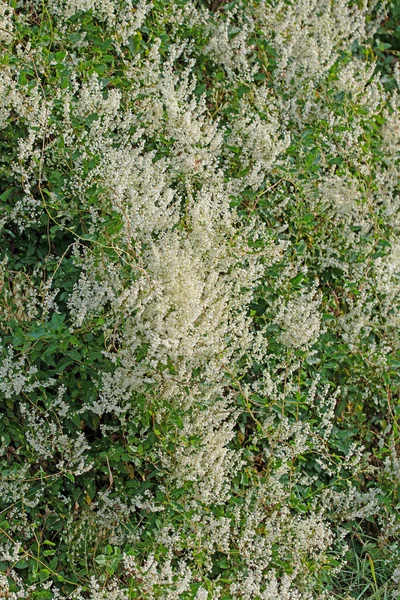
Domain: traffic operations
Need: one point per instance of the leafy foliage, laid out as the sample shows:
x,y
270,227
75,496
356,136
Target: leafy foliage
x,y
199,291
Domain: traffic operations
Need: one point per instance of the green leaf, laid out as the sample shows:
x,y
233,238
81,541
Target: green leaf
x,y
37,334
297,279
200,89
6,194
134,43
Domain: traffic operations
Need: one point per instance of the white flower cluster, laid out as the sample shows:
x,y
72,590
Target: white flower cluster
x,y
5,590
127,15
6,22
300,321
169,269
202,455
309,35
16,377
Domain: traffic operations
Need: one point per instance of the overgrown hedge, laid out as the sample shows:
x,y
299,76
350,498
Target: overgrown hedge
x,y
199,292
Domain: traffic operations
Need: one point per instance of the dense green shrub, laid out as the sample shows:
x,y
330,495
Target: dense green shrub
x,y
199,292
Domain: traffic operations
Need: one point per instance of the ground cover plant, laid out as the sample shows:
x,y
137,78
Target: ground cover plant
x,y
199,300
